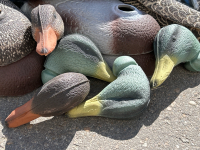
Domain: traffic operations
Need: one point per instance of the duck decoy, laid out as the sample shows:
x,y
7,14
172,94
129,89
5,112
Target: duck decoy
x,y
115,28
125,98
167,12
56,97
173,45
20,67
76,53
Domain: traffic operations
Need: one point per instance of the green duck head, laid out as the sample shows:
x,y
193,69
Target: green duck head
x,y
77,53
174,44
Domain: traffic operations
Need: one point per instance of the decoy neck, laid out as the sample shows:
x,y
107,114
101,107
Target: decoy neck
x,y
47,28
174,44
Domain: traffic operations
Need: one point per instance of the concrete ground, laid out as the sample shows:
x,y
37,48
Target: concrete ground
x,y
172,121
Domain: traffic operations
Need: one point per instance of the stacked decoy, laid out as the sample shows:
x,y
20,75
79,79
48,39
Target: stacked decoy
x,y
20,66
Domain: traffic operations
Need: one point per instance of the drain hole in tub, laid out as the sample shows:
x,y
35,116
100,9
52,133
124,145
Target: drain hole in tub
x,y
125,8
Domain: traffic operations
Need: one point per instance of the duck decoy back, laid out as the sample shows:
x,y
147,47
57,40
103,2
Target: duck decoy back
x,y
15,39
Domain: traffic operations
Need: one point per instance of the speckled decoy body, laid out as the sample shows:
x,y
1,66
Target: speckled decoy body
x,y
76,53
124,98
173,45
20,66
56,97
15,39
115,28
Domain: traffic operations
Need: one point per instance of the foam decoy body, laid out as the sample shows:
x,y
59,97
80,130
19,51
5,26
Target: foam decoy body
x,y
124,98
76,53
168,12
174,44
56,97
15,39
20,67
115,28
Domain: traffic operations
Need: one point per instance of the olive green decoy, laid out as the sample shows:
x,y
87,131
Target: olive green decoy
x,y
126,97
56,97
174,44
76,53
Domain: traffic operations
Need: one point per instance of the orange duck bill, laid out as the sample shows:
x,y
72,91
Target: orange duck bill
x,y
46,41
21,115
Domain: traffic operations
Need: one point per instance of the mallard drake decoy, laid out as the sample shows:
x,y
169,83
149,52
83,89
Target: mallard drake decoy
x,y
115,28
76,53
124,98
173,45
168,12
20,67
56,97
